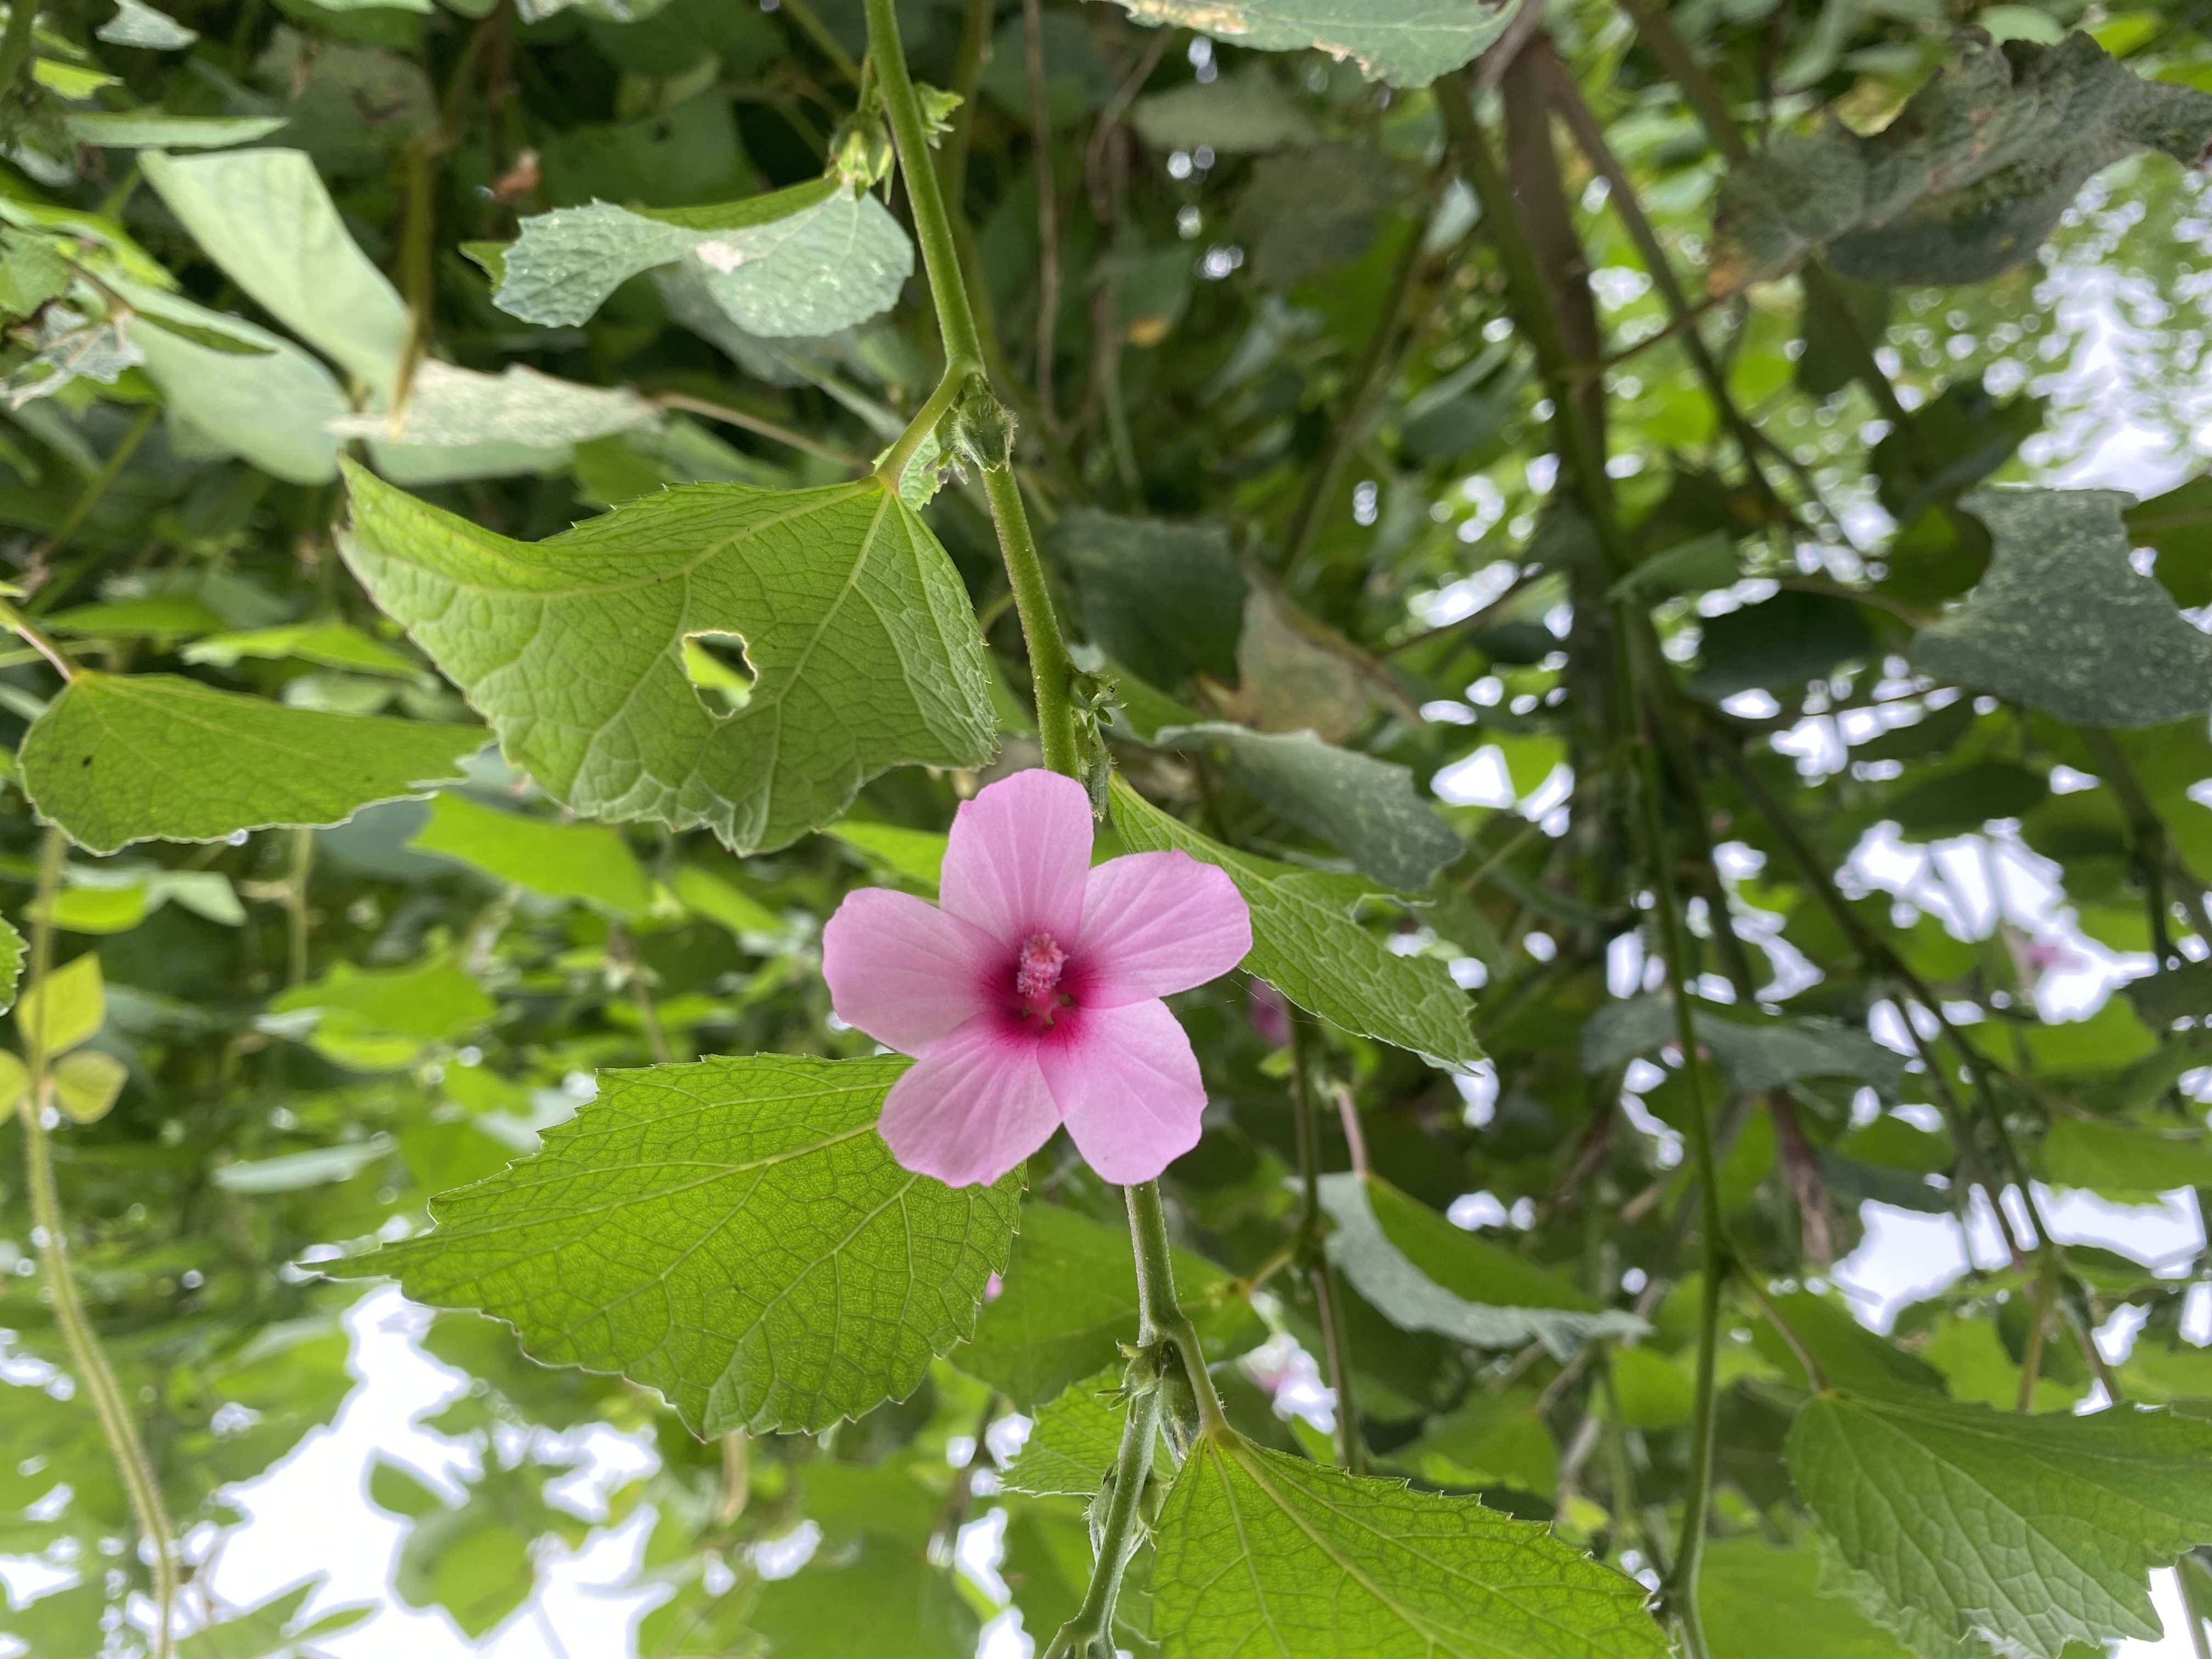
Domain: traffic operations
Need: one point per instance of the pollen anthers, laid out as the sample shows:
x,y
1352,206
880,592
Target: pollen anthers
x,y
1037,970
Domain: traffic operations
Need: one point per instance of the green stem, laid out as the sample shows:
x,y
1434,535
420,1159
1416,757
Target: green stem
x,y
39,640
2196,1603
893,465
1051,669
757,426
296,903
811,25
1698,88
1696,1500
86,1357
1048,316
2030,1360
15,53
1090,1632
1336,1341
1159,1315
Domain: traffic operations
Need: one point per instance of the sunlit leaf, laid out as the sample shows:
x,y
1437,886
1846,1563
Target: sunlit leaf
x,y
733,1233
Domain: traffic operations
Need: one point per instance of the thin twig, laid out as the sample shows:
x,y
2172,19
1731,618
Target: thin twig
x,y
81,509
1047,319
759,427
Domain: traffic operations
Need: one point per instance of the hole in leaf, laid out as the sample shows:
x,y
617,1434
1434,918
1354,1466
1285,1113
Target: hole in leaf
x,y
716,667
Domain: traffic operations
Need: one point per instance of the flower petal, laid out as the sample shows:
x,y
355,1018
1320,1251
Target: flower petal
x,y
902,970
1018,855
1127,1085
1157,922
974,1106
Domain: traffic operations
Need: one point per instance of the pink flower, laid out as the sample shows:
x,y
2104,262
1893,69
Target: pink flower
x,y
1032,998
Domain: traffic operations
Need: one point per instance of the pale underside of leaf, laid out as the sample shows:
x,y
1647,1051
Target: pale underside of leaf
x,y
1382,1273
1261,1554
855,624
835,258
733,1233
1408,42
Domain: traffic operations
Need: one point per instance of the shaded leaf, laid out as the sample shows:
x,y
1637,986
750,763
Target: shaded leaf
x,y
1306,944
1965,182
733,1233
118,759
1255,1547
1308,211
2179,524
1247,113
1779,644
1759,1601
1752,1055
2063,624
1366,808
2030,1531
1071,1296
457,407
1166,600
1072,1441
2126,1159
1487,1440
884,1599
863,647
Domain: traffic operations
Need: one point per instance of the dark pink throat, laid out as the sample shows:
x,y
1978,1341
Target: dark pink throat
x,y
1037,971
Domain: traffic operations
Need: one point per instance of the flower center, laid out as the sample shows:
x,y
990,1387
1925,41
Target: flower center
x,y
1036,972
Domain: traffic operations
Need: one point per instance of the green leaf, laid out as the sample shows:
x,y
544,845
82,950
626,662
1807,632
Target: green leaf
x,y
2031,1531
67,1008
1423,1273
137,24
1073,1440
1367,809
1259,1551
151,130
1165,600
272,407
115,760
855,625
733,1233
11,963
587,861
1756,1055
1488,1440
885,1599
2179,524
913,855
2183,993
1306,944
460,410
87,1083
293,1172
1964,183
1760,1602
1071,1296
1779,644
2062,624
1408,42
331,643
1959,800
433,1000
274,1629
266,218
2137,1159
1247,113
808,261
1310,210
1849,1355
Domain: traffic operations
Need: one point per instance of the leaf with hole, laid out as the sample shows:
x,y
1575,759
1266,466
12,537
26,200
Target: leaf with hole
x,y
863,650
733,1233
2063,624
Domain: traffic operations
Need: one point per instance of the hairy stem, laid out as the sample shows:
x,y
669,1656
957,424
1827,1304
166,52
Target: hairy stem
x,y
1159,1315
1051,669
1091,1632
86,1357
